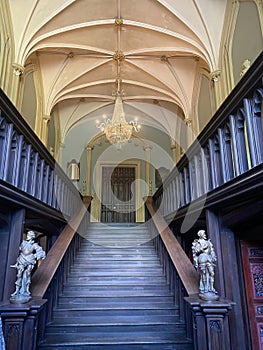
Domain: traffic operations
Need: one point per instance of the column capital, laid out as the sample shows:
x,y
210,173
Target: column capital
x,y
46,117
147,148
188,121
215,75
173,145
89,148
18,69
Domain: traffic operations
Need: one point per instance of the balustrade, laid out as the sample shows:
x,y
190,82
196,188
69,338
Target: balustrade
x,y
230,145
26,164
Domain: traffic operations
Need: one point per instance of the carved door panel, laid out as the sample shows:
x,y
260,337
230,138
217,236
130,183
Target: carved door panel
x,y
252,255
118,194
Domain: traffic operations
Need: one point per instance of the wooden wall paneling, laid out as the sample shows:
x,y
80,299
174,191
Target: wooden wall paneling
x,y
40,179
213,232
233,288
229,164
18,157
50,187
257,122
250,132
27,166
4,238
15,233
44,192
234,145
244,156
252,256
211,163
6,151
222,154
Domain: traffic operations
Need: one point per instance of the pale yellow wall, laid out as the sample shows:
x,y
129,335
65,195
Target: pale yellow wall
x,y
204,102
242,39
29,101
6,49
247,39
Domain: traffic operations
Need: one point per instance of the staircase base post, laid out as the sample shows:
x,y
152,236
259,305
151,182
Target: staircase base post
x,y
20,324
210,323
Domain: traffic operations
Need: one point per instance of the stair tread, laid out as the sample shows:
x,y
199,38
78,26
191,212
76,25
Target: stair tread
x,y
116,295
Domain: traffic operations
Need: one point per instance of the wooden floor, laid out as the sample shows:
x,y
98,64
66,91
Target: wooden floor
x,y
116,297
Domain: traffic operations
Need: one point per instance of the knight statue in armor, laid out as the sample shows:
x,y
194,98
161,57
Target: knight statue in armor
x,y
204,261
30,253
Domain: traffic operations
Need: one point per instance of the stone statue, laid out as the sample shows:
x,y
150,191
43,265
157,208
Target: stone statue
x,y
204,260
30,252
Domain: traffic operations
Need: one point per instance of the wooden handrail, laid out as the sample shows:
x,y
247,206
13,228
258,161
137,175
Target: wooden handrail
x,y
182,263
46,271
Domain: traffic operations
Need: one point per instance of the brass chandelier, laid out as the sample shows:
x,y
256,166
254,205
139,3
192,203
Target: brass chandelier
x,y
117,130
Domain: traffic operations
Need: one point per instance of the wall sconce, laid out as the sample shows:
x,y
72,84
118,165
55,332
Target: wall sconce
x,y
73,170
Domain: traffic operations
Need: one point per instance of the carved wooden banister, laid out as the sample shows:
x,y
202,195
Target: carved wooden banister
x,y
182,263
231,144
46,271
27,164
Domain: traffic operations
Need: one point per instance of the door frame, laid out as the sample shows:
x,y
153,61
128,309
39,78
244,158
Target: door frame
x,y
253,303
96,204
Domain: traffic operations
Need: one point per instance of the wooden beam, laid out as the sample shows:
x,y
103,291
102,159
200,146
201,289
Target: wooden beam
x,y
185,269
46,271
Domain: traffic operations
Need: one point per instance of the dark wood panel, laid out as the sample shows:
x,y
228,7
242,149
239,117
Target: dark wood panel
x,y
252,255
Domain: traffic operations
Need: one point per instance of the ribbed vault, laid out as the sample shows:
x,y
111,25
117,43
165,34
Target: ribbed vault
x,y
74,43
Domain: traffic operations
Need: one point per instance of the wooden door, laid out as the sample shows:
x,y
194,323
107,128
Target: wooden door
x,y
118,194
252,255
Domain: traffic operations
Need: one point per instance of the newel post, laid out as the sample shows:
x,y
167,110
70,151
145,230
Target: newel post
x,y
210,323
209,312
20,324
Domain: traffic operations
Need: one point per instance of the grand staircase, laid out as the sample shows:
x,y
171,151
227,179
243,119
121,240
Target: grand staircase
x,y
116,297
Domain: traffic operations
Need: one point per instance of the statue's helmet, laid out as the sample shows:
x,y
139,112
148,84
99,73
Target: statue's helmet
x,y
30,235
201,234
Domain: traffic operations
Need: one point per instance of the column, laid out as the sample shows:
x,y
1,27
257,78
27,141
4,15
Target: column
x,y
59,156
18,72
88,182
189,131
174,151
44,131
215,77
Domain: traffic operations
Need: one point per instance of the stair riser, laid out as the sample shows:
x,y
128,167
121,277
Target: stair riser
x,y
117,302
120,330
118,271
116,257
113,313
116,297
116,280
119,294
116,320
114,264
120,347
115,306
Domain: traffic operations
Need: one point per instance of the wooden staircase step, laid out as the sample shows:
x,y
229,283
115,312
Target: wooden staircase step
x,y
89,312
116,297
116,280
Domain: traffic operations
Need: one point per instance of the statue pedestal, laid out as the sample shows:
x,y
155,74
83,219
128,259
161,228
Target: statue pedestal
x,y
210,323
209,296
20,299
20,323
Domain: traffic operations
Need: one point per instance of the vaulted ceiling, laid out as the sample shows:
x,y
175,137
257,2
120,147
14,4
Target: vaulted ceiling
x,y
159,44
